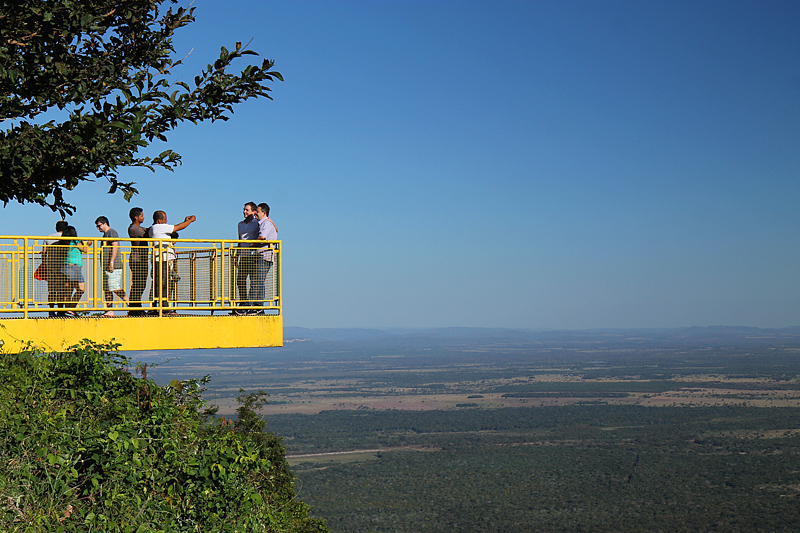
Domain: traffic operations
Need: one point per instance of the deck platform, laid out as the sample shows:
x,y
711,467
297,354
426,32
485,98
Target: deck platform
x,y
143,333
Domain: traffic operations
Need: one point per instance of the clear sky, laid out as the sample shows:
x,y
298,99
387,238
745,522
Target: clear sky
x,y
564,164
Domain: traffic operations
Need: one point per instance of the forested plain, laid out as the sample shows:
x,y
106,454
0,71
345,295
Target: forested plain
x,y
571,468
694,430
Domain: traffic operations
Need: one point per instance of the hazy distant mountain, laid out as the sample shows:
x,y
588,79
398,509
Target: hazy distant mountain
x,y
436,335
332,334
356,334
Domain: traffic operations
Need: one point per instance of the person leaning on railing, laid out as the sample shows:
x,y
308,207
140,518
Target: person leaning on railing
x,y
267,231
162,230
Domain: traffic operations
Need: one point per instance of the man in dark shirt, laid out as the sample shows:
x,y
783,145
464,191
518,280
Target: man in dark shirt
x,y
138,259
112,266
245,257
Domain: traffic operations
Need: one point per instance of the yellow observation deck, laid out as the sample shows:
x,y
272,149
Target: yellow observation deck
x,y
196,293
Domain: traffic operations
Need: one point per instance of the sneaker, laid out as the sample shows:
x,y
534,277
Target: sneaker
x,y
255,312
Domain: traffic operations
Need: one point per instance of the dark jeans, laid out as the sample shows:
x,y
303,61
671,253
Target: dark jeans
x,y
258,285
56,289
161,283
138,282
246,267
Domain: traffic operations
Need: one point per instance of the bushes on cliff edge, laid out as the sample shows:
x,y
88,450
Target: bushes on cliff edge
x,y
87,446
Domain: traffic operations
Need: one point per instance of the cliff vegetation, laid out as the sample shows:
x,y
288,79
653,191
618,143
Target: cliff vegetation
x,y
88,445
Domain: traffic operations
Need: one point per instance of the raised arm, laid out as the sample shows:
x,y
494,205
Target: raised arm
x,y
188,220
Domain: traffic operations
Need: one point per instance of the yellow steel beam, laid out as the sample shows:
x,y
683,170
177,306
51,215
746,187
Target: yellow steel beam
x,y
143,333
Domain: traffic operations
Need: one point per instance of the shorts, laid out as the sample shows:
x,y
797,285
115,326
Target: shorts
x,y
73,273
112,281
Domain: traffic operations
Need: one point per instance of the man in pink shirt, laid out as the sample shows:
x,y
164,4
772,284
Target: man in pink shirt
x,y
267,231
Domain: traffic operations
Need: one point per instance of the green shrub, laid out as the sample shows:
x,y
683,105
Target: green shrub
x,y
87,446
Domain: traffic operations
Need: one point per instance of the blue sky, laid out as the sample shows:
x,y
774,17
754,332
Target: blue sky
x,y
507,164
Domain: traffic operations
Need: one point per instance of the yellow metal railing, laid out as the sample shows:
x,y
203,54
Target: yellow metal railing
x,y
181,275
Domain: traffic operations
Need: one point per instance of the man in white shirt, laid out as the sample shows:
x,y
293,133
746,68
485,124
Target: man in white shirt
x,y
245,258
162,230
267,231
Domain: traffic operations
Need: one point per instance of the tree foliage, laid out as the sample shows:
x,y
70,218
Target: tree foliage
x,y
87,446
86,84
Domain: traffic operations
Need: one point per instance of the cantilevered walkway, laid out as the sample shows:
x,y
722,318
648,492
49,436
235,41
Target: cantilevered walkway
x,y
203,307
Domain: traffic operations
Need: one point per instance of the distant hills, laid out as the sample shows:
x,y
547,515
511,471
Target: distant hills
x,y
311,343
718,333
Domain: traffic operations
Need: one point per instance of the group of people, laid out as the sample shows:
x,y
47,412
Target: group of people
x,y
254,265
163,263
62,262
62,267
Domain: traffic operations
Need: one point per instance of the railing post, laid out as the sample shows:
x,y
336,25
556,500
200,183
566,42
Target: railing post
x,y
192,272
93,268
24,274
225,281
158,277
279,274
212,281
